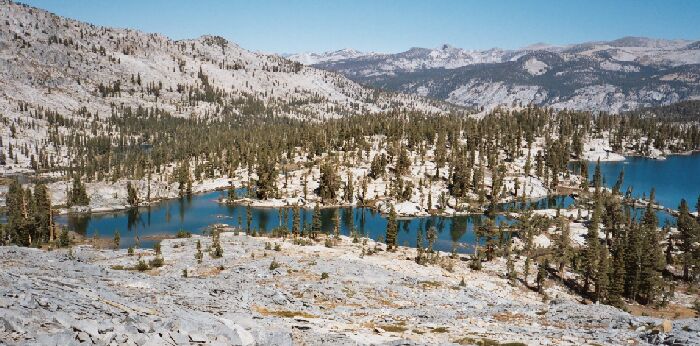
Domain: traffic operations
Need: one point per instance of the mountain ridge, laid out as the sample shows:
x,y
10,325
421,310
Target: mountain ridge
x,y
613,76
64,64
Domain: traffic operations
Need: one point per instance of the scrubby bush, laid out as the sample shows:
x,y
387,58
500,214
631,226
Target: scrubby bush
x,y
64,239
157,262
141,265
183,234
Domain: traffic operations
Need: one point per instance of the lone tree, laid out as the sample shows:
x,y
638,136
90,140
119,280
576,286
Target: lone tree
x,y
132,195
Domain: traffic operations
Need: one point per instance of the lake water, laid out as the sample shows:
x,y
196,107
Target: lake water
x,y
674,178
198,212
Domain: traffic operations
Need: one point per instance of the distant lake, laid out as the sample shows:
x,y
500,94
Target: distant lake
x,y
674,178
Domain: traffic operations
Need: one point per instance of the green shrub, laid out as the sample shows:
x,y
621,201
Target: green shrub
x,y
157,262
183,234
218,251
141,265
63,239
117,239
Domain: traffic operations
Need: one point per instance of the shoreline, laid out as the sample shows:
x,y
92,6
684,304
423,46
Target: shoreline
x,y
215,185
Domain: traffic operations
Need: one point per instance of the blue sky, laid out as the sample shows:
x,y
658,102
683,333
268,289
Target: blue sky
x,y
391,25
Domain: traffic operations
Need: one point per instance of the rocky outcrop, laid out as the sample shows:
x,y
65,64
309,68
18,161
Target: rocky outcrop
x,y
92,296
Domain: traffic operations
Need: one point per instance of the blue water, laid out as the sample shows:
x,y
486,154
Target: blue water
x,y
674,178
197,213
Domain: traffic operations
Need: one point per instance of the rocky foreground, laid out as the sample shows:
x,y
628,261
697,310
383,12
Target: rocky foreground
x,y
293,294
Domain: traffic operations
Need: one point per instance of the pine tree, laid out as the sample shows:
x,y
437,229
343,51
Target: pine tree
x,y
336,224
316,221
330,183
597,179
17,222
602,278
77,194
349,189
43,216
562,246
617,275
132,195
510,267
377,168
688,234
248,218
403,163
652,264
459,184
296,221
391,230
541,275
526,270
633,255
267,177
117,239
432,236
584,174
184,179
618,184
592,249
419,246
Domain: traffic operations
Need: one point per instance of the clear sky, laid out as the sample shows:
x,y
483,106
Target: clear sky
x,y
391,25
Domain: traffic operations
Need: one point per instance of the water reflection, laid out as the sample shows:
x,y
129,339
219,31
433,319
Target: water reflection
x,y
197,213
673,178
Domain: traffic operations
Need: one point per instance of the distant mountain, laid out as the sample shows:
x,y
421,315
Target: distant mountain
x,y
52,63
314,58
615,76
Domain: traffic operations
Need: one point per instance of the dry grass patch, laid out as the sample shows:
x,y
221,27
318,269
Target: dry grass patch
x,y
440,330
669,312
508,317
479,341
393,328
430,284
283,313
